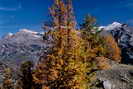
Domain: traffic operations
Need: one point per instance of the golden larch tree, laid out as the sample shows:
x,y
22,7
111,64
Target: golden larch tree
x,y
64,67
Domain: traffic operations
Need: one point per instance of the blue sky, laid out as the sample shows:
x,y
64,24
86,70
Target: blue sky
x,y
30,14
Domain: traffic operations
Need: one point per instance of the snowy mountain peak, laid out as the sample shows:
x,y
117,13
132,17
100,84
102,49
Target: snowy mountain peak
x,y
28,31
7,36
116,24
10,34
25,33
111,26
24,36
23,45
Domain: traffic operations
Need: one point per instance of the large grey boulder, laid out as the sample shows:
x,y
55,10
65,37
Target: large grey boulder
x,y
118,77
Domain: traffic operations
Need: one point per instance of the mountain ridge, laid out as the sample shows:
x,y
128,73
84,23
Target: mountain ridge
x,y
28,43
21,46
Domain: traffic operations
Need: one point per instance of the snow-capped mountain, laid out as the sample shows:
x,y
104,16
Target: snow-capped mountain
x,y
27,44
111,26
21,46
124,36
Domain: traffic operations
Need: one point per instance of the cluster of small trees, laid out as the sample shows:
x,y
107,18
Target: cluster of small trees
x,y
72,58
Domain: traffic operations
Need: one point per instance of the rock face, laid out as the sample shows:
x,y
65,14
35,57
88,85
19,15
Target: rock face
x,y
118,77
124,36
24,45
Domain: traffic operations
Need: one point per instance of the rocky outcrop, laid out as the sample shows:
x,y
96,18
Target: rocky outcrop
x,y
118,77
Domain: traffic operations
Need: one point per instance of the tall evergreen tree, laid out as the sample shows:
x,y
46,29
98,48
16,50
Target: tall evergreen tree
x,y
65,66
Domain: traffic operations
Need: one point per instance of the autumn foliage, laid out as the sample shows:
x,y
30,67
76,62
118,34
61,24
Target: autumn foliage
x,y
65,66
8,79
73,56
114,50
102,48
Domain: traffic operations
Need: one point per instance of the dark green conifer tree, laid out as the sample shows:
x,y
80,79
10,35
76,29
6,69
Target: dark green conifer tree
x,y
25,80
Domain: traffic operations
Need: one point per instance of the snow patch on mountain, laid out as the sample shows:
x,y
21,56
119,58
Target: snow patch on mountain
x,y
9,35
111,26
28,31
